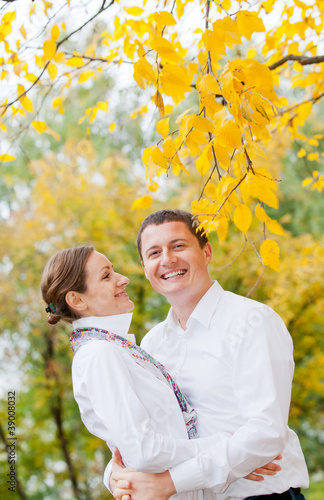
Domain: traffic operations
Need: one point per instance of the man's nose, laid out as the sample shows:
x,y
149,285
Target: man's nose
x,y
167,257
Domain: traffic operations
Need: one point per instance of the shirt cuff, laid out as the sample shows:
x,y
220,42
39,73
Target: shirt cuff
x,y
107,474
187,476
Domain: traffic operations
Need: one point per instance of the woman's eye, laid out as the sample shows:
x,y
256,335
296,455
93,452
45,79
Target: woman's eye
x,y
106,276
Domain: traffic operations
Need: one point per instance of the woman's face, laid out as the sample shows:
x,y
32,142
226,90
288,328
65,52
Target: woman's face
x,y
105,295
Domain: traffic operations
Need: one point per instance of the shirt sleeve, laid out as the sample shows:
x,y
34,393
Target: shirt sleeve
x,y
111,409
261,350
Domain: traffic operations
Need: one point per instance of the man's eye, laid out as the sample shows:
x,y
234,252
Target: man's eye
x,y
153,254
106,276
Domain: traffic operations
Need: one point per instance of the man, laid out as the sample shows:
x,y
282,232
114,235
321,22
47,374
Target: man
x,y
232,358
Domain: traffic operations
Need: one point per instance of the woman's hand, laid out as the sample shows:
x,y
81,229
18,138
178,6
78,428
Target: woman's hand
x,y
141,486
118,466
269,469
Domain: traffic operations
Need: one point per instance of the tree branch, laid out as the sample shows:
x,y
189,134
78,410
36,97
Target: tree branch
x,y
303,60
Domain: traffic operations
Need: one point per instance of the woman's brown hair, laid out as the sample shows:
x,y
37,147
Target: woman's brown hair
x,y
64,272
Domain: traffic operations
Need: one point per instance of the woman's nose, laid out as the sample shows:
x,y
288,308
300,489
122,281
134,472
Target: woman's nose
x,y
122,280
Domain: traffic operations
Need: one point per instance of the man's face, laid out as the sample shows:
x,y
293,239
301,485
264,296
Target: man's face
x,y
174,262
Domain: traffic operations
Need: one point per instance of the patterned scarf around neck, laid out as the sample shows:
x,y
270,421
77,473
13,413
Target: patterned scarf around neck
x,y
80,336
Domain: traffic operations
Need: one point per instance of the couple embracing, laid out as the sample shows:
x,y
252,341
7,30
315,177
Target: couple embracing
x,y
200,409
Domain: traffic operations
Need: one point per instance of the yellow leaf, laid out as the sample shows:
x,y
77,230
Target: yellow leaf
x,y
251,53
76,62
162,127
229,135
55,33
163,18
157,157
85,75
307,181
208,84
3,127
203,162
248,23
275,227
39,61
147,153
169,148
301,153
134,11
203,124
222,228
175,81
165,49
23,31
143,72
142,203
313,156
7,158
52,71
103,105
261,213
39,126
270,254
183,114
49,48
242,218
112,127
152,186
57,102
27,104
266,196
159,103
31,77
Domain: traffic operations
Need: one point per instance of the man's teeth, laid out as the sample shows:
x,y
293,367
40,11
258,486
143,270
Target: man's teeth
x,y
174,273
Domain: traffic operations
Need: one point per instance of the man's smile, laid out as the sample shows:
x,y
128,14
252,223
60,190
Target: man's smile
x,y
172,274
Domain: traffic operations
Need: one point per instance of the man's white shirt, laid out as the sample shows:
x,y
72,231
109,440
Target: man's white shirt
x,y
234,363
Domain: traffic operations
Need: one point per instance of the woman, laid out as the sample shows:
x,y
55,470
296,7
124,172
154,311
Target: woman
x,y
125,397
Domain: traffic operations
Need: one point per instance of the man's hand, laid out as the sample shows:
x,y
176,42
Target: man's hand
x,y
118,466
141,486
269,469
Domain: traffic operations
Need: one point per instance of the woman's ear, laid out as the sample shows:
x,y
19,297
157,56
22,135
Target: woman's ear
x,y
75,301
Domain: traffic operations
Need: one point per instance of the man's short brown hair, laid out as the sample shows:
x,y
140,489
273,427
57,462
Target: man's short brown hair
x,y
172,215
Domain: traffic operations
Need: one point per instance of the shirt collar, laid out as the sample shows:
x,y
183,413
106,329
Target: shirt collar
x,y
203,311
118,324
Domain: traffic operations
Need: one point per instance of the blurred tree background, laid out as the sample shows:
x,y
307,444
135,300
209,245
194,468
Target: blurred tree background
x,y
78,185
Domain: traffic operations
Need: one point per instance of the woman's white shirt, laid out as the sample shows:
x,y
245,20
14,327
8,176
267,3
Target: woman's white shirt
x,y
127,406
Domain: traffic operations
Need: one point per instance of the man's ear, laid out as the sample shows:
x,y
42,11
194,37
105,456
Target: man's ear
x,y
143,266
75,301
208,252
